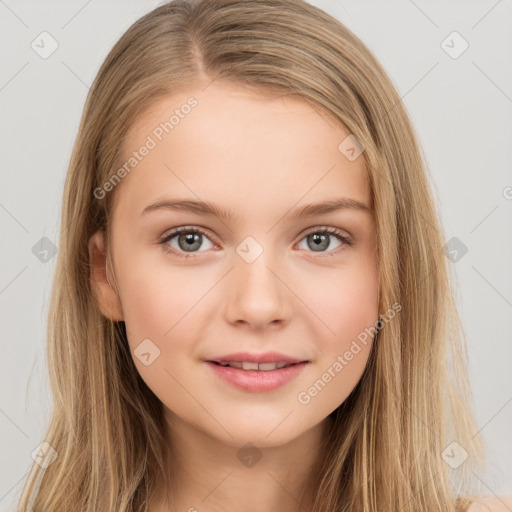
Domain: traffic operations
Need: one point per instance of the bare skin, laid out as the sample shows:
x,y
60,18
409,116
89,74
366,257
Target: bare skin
x,y
492,504
260,158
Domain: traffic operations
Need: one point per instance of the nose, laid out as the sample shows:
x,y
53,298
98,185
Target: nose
x,y
257,293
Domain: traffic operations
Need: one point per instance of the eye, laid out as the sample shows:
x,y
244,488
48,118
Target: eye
x,y
319,239
189,239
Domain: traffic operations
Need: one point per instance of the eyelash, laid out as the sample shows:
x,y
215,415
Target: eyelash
x,y
331,231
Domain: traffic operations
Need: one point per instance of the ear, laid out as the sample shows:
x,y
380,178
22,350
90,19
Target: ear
x,y
106,297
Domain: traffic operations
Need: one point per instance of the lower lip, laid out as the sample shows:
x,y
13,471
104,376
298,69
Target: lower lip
x,y
257,380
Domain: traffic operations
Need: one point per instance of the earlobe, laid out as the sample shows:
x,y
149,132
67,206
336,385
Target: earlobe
x,y
105,294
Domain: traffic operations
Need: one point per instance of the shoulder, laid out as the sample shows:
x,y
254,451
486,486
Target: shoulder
x,y
492,504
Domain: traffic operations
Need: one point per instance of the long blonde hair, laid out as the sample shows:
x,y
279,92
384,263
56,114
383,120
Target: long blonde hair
x,y
385,449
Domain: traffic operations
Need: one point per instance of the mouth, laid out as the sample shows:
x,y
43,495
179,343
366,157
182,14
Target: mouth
x,y
264,367
260,361
256,377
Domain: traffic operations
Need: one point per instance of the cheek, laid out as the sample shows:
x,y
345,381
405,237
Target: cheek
x,y
168,305
347,304
345,301
157,296
161,303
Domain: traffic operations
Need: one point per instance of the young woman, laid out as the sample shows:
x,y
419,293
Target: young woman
x,y
252,308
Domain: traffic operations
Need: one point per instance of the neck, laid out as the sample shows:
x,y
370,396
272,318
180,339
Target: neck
x,y
210,475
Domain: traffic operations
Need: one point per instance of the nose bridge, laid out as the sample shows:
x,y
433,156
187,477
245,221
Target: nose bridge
x,y
253,265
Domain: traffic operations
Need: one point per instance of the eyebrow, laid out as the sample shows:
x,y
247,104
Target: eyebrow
x,y
206,208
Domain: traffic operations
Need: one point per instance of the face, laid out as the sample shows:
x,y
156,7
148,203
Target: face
x,y
262,279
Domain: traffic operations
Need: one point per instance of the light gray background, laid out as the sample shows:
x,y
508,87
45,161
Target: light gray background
x,y
461,109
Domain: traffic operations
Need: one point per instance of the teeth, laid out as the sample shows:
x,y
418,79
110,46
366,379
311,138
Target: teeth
x,y
267,366
250,366
245,365
233,365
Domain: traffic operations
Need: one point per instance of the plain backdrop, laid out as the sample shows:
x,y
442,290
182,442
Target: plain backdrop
x,y
450,62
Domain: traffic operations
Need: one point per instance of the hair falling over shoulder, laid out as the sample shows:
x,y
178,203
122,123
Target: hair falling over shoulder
x,y
384,449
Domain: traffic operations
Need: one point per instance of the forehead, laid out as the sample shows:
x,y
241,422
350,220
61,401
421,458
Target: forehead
x,y
236,145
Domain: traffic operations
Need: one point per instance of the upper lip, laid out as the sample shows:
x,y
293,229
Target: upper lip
x,y
267,357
